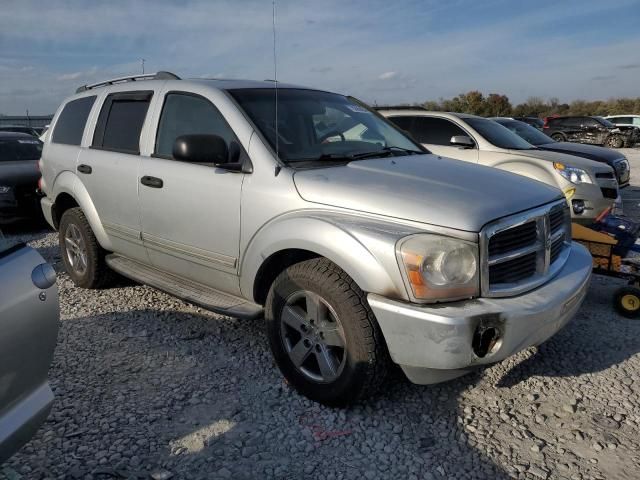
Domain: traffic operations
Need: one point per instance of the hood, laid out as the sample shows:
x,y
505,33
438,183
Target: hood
x,y
592,152
425,188
624,129
567,159
19,173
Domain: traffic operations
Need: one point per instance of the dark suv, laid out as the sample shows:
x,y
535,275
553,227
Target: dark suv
x,y
593,130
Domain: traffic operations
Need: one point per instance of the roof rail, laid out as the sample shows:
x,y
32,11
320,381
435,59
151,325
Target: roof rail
x,y
399,107
131,78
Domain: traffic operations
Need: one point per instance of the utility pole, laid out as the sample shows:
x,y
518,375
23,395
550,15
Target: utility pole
x,y
142,60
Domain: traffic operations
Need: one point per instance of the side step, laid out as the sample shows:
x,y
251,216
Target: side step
x,y
193,292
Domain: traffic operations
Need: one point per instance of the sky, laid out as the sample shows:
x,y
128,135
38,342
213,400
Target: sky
x,y
381,51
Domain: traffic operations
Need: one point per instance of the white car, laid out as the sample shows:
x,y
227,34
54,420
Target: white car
x,y
590,187
625,120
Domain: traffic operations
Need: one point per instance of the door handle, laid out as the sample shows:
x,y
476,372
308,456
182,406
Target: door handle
x,y
153,182
82,168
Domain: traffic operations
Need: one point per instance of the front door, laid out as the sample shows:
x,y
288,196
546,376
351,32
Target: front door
x,y
435,134
191,212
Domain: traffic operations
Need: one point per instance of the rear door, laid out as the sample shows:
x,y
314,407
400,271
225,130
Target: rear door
x,y
108,168
435,133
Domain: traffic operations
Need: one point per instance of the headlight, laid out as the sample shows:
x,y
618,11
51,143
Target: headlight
x,y
573,174
4,189
439,268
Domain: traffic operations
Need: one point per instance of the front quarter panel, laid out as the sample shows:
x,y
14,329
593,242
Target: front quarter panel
x,y
363,247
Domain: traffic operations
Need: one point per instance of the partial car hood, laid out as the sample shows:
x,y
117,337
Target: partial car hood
x,y
425,188
572,160
592,152
19,172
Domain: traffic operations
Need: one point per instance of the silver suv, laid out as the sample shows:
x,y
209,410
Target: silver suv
x,y
356,245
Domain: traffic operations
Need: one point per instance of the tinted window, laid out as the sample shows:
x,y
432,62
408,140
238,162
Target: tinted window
x,y
16,149
185,114
589,122
436,131
621,120
71,121
121,120
602,121
405,123
526,132
498,135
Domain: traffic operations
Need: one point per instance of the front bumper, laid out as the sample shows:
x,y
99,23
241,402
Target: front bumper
x,y
433,343
593,197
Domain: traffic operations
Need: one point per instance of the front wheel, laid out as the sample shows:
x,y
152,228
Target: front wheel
x,y
615,141
323,334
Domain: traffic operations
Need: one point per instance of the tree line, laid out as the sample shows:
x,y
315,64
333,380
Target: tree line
x,y
498,105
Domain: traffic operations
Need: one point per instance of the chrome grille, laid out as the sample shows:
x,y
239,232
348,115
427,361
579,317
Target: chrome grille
x,y
523,251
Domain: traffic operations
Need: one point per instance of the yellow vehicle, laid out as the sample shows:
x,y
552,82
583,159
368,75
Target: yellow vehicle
x,y
607,262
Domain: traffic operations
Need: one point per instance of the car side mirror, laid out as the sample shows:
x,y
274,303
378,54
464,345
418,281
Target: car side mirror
x,y
201,148
462,141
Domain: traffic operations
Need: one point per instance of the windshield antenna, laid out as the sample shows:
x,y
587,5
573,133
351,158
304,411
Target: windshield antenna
x,y
275,74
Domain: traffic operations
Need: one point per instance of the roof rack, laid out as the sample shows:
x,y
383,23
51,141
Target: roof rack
x,y
131,78
399,107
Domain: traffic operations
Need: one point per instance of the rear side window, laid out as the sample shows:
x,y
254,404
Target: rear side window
x,y
72,120
435,131
120,122
187,114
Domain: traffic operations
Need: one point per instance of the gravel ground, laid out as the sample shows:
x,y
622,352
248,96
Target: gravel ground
x,y
148,386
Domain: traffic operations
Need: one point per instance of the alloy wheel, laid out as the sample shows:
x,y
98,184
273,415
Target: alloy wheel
x,y
76,249
313,336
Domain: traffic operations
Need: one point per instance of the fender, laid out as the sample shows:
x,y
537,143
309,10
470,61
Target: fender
x,y
364,248
530,170
68,182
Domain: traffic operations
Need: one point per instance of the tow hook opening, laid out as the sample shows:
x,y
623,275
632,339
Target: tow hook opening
x,y
486,340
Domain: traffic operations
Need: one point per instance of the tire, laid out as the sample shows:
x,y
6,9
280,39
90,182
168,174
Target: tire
x,y
558,137
354,371
615,141
626,301
83,257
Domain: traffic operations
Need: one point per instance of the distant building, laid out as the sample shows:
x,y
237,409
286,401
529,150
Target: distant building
x,y
30,121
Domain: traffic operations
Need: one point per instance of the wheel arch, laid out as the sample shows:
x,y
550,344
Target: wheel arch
x,y
285,242
71,192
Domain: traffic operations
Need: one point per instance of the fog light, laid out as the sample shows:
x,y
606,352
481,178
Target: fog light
x,y
578,206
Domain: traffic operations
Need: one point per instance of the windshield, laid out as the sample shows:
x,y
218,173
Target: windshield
x,y
318,126
15,149
605,122
497,135
526,132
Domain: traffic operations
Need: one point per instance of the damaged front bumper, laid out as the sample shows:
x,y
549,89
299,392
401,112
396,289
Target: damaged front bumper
x,y
434,343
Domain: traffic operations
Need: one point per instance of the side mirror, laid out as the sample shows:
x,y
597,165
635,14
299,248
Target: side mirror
x,y
462,141
200,148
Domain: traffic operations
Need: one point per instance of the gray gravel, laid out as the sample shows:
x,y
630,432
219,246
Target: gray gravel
x,y
148,386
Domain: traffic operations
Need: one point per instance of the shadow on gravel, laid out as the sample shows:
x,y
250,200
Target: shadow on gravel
x,y
199,396
594,341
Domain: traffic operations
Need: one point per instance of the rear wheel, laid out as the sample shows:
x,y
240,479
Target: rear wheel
x,y
558,137
627,301
615,141
323,335
83,257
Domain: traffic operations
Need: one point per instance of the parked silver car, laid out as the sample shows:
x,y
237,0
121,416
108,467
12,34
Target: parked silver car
x,y
357,245
589,186
28,332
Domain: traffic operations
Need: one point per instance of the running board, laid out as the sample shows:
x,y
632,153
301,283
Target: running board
x,y
192,292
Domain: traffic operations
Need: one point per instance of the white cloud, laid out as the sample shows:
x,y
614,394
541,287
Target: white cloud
x,y
340,47
387,75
